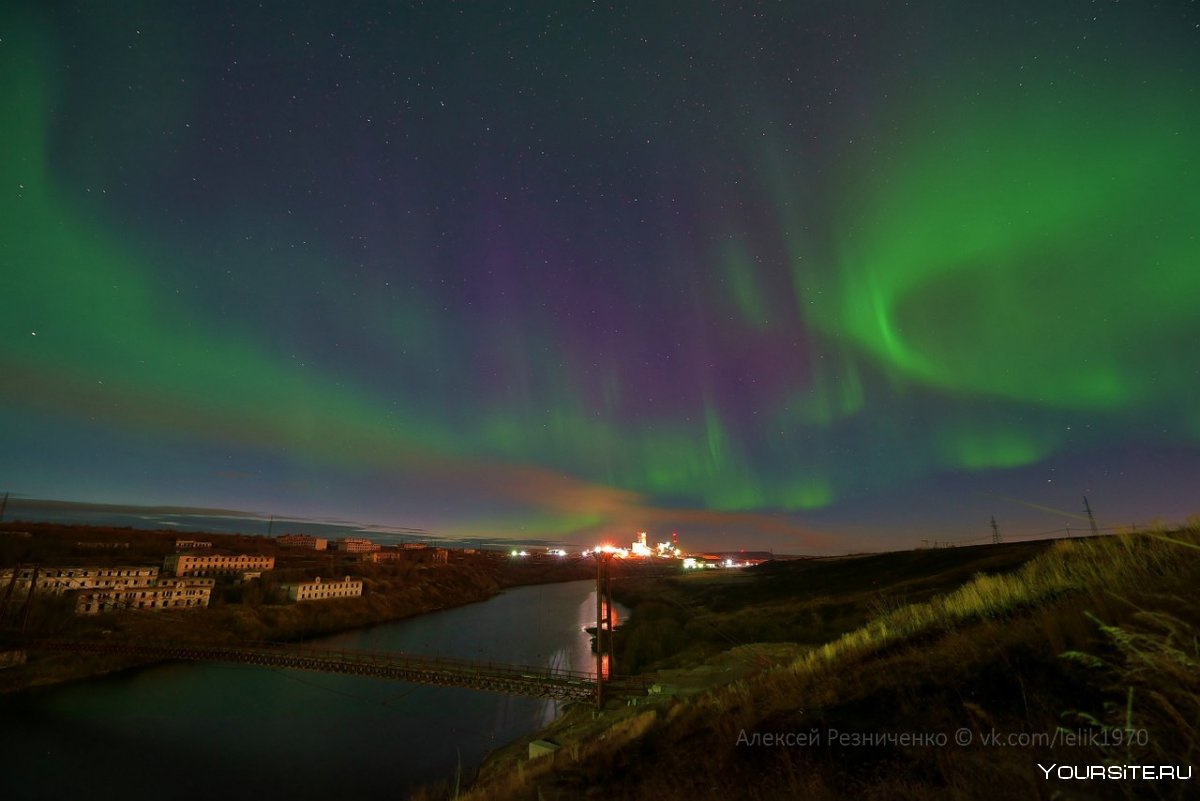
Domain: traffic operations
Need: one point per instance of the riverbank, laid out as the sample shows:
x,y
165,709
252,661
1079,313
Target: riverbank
x,y
429,591
267,733
250,611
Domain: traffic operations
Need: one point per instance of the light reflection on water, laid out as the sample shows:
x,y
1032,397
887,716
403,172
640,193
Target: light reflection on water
x,y
235,732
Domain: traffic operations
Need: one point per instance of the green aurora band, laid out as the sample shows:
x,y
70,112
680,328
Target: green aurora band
x,y
1039,247
1036,249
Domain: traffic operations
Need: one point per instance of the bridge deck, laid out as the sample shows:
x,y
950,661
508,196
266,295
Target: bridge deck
x,y
542,682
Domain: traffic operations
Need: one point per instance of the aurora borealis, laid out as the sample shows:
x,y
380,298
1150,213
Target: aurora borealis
x,y
809,276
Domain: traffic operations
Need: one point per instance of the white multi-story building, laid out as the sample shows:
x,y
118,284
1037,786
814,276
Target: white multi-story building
x,y
58,580
214,565
423,556
354,545
191,545
184,593
318,590
302,541
376,557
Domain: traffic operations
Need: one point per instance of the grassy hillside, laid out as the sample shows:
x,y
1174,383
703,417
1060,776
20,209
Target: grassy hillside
x,y
685,620
1096,638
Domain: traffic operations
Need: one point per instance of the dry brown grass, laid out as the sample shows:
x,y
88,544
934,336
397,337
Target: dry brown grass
x,y
1111,564
984,655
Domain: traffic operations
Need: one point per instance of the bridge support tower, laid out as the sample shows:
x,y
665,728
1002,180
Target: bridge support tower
x,y
604,634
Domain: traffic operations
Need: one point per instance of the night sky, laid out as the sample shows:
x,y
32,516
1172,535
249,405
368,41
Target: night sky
x,y
813,276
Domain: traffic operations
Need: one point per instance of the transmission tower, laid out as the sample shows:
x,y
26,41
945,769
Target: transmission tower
x,y
996,540
1091,518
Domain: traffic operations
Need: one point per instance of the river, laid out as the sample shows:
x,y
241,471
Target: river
x,y
231,732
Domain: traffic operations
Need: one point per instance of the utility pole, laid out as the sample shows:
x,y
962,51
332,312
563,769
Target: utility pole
x,y
995,532
1091,518
29,599
3,506
8,592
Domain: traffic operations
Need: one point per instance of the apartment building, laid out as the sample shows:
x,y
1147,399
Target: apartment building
x,y
424,556
216,565
191,545
168,593
57,580
318,590
303,541
354,545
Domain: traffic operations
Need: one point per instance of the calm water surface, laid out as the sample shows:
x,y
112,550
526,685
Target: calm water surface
x,y
232,732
